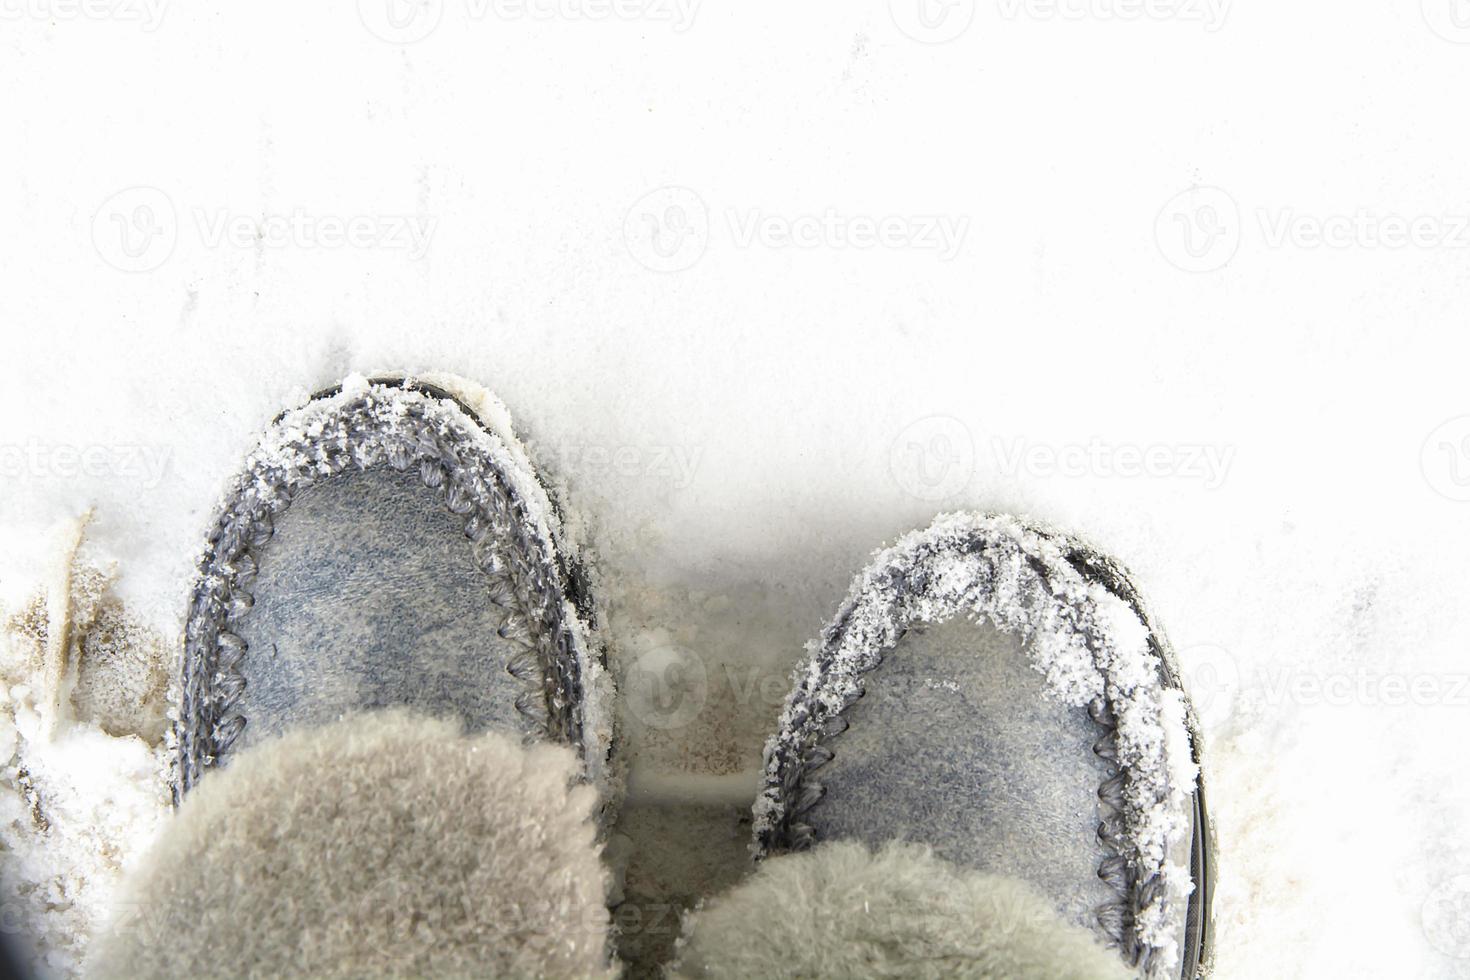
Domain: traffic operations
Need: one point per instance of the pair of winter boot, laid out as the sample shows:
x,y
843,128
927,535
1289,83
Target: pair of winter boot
x,y
397,753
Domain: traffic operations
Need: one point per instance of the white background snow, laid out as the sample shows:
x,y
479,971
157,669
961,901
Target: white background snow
x,y
767,284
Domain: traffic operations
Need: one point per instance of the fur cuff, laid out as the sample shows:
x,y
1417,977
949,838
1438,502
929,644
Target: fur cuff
x,y
841,911
385,845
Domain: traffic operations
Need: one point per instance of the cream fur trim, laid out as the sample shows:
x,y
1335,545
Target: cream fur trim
x,y
385,845
842,911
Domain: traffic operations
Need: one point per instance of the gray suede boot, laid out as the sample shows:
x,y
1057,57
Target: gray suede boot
x,y
996,692
387,545
390,659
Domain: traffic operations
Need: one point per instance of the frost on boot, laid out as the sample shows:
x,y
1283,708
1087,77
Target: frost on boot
x,y
386,545
998,692
384,845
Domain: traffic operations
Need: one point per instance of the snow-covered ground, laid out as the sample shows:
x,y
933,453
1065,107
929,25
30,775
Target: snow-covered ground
x,y
765,285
